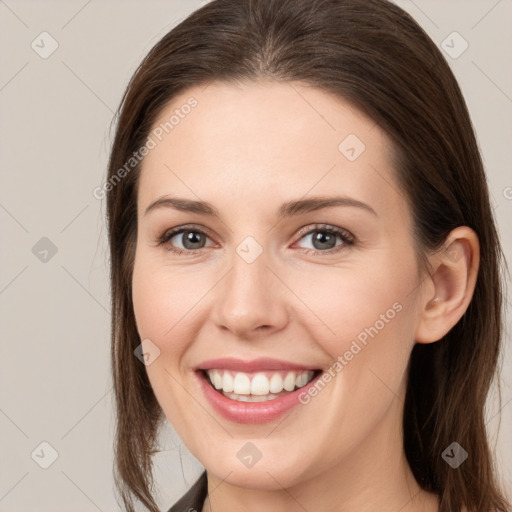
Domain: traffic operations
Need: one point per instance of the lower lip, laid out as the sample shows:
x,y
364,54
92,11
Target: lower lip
x,y
251,412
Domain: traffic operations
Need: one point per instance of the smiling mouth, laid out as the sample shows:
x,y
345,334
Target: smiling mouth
x,y
257,386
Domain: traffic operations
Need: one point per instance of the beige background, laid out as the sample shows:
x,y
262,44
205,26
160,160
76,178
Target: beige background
x,y
55,385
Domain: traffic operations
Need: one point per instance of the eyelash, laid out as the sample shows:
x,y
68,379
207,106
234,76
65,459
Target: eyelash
x,y
346,237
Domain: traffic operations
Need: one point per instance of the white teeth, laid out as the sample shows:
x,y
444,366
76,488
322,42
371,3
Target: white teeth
x,y
301,380
257,386
289,381
276,383
227,382
217,380
250,398
242,384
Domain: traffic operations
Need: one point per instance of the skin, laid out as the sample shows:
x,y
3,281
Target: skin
x,y
246,149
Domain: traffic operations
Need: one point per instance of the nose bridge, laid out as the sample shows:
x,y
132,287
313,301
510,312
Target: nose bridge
x,y
250,296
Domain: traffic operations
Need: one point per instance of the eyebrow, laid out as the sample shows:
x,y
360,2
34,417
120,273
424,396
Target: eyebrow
x,y
287,209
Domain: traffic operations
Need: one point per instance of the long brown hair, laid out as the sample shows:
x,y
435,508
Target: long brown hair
x,y
374,55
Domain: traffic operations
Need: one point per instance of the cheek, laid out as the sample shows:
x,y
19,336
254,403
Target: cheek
x,y
164,302
365,321
351,304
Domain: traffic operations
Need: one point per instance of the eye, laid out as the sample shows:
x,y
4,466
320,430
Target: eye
x,y
191,238
324,239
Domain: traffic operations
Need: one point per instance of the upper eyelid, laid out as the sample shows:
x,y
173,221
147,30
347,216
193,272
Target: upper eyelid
x,y
186,227
326,227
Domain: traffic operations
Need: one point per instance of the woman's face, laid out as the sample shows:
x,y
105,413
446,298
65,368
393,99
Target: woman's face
x,y
262,295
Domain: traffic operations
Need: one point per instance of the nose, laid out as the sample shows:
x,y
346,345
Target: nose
x,y
251,300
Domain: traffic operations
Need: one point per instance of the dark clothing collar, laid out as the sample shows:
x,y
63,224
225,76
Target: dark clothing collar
x,y
193,499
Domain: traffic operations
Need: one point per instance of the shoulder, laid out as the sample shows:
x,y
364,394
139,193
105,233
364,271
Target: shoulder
x,y
193,499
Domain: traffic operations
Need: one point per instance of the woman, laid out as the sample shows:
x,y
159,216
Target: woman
x,y
346,374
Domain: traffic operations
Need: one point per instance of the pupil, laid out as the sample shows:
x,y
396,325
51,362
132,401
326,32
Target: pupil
x,y
324,240
193,237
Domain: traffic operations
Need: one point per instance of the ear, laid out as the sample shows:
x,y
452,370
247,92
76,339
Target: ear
x,y
450,285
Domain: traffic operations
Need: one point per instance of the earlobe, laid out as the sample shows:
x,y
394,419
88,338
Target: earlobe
x,y
453,279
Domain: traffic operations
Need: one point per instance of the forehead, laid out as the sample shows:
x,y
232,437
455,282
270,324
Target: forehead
x,y
265,139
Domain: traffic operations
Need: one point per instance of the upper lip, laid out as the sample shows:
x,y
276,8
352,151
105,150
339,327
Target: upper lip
x,y
254,365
